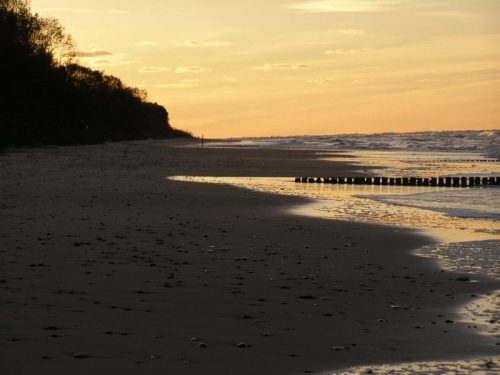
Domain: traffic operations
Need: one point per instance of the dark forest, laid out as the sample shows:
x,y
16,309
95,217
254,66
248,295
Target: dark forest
x,y
47,97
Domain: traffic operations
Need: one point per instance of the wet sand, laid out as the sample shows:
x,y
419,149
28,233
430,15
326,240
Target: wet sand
x,y
108,267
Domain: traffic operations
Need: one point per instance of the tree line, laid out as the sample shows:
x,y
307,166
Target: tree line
x,y
47,97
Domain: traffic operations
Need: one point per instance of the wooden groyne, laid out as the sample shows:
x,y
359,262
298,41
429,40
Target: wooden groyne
x,y
468,160
405,181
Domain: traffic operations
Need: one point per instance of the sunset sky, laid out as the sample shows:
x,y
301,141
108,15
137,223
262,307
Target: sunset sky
x,y
226,68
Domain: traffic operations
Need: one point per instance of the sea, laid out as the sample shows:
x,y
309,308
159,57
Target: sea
x,y
465,221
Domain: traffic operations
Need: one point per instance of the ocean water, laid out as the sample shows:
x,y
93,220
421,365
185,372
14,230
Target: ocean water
x,y
460,143
457,216
465,221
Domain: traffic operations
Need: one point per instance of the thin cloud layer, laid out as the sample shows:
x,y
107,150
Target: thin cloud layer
x,y
184,84
369,6
102,58
191,69
351,31
201,43
344,6
342,51
147,43
280,66
82,10
153,69
94,53
320,81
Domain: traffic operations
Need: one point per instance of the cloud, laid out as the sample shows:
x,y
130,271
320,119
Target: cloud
x,y
153,69
147,43
191,69
438,8
321,43
343,6
184,84
351,31
279,66
113,62
81,10
320,80
72,10
201,43
346,51
98,58
340,52
94,53
448,14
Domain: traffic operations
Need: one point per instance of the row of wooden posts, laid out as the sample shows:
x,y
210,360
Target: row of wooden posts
x,y
405,181
470,160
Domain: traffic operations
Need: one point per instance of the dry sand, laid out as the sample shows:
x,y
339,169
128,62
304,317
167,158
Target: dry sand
x,y
109,268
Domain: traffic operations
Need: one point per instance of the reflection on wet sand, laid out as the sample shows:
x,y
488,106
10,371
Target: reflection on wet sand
x,y
465,244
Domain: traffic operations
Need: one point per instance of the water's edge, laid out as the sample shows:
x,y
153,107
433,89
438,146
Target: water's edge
x,y
483,312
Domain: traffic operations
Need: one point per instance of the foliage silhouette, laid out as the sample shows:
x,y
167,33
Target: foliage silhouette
x,y
46,97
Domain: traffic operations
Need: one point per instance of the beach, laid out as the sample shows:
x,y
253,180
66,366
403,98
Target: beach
x,y
109,267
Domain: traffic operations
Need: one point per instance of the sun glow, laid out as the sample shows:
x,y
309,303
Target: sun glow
x,y
298,67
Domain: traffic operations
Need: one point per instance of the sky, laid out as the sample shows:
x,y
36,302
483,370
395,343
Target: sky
x,y
226,68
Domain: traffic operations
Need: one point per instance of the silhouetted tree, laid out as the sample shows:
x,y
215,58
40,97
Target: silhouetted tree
x,y
47,97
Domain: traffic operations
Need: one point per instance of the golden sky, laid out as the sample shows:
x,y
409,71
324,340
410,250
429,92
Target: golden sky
x,y
229,68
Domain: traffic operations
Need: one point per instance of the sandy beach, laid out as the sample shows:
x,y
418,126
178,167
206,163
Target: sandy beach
x,y
108,267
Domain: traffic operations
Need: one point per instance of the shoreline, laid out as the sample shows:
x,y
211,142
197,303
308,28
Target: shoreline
x,y
480,314
98,242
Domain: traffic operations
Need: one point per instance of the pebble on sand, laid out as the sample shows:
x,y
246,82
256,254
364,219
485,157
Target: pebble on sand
x,y
340,348
81,356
